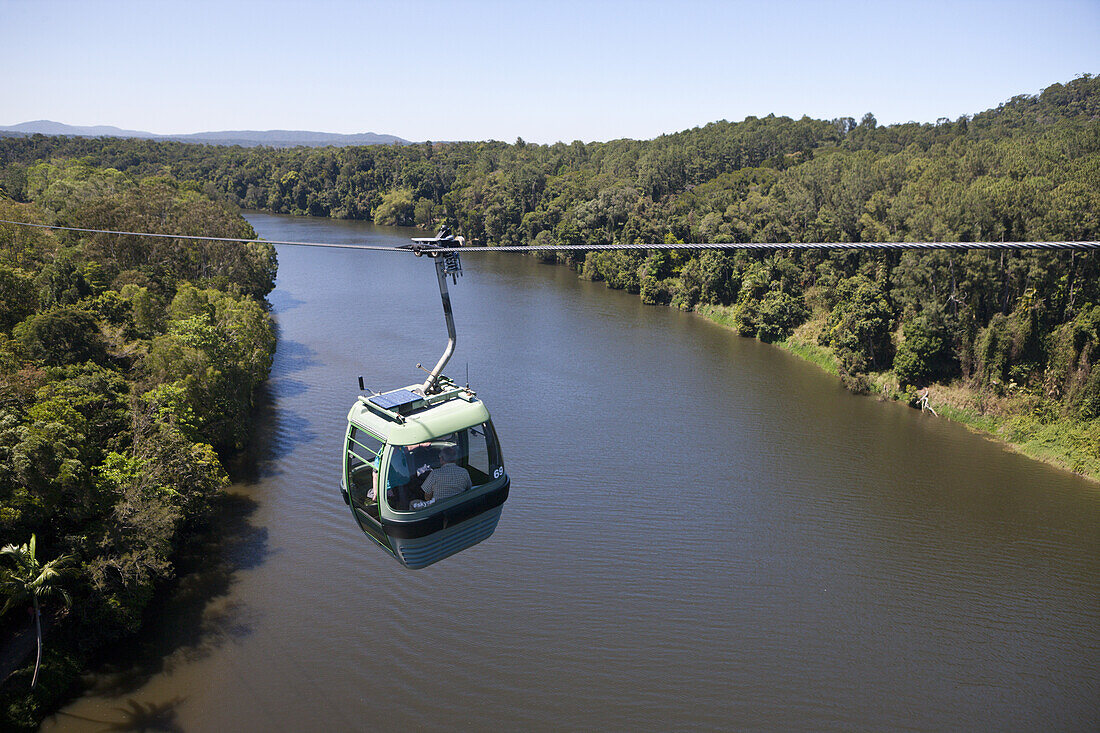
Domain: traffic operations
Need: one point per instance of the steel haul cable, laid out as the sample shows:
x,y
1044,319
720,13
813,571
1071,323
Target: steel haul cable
x,y
767,246
203,238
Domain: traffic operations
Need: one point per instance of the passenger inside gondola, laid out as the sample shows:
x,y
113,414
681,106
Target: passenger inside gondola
x,y
422,475
449,479
409,466
363,450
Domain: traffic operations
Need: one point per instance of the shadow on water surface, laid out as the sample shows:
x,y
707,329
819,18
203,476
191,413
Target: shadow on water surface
x,y
282,301
194,617
276,433
292,356
139,716
287,388
251,463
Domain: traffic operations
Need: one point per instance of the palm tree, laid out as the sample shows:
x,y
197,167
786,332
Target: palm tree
x,y
31,581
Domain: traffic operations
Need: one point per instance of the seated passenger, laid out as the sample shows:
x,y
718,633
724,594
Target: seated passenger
x,y
396,477
363,481
447,480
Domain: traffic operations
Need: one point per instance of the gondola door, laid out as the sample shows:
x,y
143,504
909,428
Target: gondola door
x,y
362,461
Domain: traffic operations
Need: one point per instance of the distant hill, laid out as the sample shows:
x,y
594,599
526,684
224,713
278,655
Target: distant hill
x,y
244,138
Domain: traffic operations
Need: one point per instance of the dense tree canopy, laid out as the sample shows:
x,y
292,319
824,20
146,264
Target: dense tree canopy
x,y
127,370
1029,169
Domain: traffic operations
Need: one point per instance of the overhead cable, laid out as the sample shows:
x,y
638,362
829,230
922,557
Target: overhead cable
x,y
785,246
207,239
768,246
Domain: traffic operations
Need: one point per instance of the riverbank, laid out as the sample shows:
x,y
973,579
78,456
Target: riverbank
x,y
1021,421
127,382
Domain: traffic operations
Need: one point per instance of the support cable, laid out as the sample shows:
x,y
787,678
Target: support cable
x,y
1074,245
767,246
206,239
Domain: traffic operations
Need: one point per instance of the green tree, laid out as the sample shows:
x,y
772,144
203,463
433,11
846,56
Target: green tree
x,y
29,580
779,314
146,310
63,336
923,354
396,209
18,297
61,282
859,325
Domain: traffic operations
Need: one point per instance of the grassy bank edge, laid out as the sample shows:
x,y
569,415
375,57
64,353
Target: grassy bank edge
x,y
1018,423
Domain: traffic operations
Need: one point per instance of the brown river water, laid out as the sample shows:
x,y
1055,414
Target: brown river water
x,y
704,532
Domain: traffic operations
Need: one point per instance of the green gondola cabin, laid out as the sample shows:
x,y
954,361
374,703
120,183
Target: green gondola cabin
x,y
395,441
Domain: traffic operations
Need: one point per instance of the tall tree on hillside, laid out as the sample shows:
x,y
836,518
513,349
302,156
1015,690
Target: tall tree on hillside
x,y
31,581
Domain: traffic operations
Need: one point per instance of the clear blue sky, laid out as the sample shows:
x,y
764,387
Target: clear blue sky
x,y
544,71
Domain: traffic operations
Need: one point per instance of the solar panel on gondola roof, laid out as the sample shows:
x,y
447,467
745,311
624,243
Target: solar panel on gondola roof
x,y
396,399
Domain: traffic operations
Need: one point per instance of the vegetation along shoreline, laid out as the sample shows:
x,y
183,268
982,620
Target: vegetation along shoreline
x,y
129,369
1063,444
128,366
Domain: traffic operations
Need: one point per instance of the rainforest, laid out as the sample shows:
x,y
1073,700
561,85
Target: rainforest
x,y
129,366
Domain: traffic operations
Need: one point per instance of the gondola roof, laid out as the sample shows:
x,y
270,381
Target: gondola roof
x,y
402,422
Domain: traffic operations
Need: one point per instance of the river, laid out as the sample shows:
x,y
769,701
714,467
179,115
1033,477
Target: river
x,y
703,532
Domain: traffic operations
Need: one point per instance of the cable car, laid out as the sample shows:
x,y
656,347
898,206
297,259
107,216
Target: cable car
x,y
423,472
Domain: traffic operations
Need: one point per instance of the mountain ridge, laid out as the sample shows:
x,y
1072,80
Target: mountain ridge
x,y
244,138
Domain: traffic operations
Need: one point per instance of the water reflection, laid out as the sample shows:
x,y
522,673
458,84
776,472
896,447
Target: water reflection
x,y
196,616
293,356
277,432
282,301
703,532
